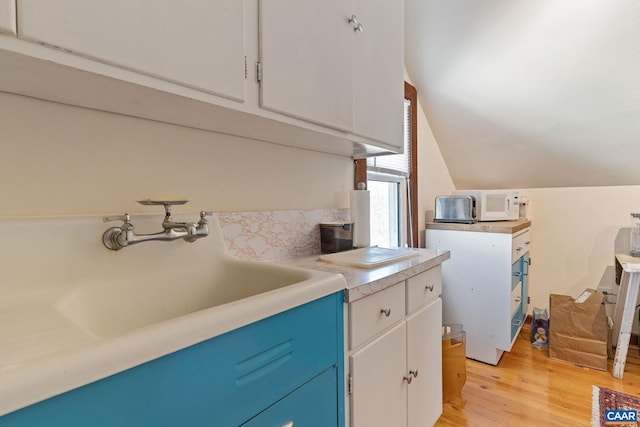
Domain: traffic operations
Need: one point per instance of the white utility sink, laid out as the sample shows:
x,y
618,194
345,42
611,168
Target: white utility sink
x,y
75,312
106,309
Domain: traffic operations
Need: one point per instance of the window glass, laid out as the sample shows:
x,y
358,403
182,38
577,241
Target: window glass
x,y
388,208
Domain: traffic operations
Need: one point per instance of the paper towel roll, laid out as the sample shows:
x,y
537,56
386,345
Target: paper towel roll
x,y
360,206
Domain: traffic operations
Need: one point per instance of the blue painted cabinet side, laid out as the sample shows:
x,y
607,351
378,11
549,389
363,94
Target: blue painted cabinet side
x,y
223,382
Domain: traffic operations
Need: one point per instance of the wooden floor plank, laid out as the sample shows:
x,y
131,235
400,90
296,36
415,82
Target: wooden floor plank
x,y
528,388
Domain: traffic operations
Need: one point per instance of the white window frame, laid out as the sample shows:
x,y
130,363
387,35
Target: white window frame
x,y
402,196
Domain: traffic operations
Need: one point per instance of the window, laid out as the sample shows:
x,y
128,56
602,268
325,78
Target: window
x,y
387,209
392,182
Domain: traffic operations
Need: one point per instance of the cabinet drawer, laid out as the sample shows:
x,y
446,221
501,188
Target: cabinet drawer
x,y
315,403
516,322
516,274
516,298
521,244
375,313
423,288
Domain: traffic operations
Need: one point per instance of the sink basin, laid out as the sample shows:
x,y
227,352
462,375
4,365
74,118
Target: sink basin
x,y
109,308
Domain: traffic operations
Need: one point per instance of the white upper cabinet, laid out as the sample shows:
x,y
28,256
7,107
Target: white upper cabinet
x,y
321,66
306,57
321,85
196,43
379,71
8,16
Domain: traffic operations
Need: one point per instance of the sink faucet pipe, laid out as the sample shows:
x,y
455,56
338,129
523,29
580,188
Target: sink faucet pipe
x,y
116,238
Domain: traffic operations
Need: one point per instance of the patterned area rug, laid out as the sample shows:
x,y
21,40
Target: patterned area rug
x,y
605,399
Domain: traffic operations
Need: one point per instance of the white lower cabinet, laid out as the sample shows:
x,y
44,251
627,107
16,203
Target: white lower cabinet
x,y
485,285
379,391
396,374
424,355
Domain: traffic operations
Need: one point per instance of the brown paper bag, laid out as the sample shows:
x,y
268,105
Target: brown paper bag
x,y
578,329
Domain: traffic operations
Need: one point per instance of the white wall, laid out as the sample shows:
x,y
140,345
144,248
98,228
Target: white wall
x,y
60,160
573,236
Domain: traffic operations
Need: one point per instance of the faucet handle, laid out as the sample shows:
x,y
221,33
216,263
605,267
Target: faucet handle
x,y
126,218
204,214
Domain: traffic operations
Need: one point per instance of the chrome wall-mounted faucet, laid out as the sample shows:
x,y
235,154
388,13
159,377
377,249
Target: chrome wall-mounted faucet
x,y
116,238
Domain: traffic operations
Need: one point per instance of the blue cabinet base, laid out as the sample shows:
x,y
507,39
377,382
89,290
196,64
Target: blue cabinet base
x,y
286,362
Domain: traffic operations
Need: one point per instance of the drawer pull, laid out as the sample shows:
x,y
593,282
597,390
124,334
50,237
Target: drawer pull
x,y
386,311
519,249
517,300
287,424
430,288
517,322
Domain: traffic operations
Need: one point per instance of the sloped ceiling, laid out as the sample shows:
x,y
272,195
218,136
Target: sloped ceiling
x,y
529,93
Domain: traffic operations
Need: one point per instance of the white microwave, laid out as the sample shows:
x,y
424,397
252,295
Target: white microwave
x,y
494,205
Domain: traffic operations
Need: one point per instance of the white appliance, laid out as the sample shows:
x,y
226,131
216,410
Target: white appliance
x,y
494,205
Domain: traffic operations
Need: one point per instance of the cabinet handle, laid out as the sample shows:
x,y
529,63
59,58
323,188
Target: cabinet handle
x,y
414,373
430,288
519,249
517,273
517,299
517,322
356,25
408,378
386,311
287,424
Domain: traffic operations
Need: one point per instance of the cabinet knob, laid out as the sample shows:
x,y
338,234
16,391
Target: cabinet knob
x,y
430,288
356,25
386,311
414,373
408,378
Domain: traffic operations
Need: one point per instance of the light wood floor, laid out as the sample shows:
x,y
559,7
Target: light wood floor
x,y
529,389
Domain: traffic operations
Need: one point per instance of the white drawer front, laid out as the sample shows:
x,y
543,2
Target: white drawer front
x,y
521,244
375,313
516,298
423,288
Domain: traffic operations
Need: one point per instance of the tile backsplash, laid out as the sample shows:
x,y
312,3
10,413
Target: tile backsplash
x,y
270,235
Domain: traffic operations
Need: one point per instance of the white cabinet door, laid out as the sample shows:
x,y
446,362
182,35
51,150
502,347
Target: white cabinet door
x,y
424,355
196,43
379,391
306,59
8,16
379,71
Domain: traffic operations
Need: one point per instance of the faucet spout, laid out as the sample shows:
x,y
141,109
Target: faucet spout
x,y
168,234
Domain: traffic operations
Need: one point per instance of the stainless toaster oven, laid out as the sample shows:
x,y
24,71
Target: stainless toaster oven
x,y
460,209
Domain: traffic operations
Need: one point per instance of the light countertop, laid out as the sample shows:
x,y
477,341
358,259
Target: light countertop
x,y
362,282
484,226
